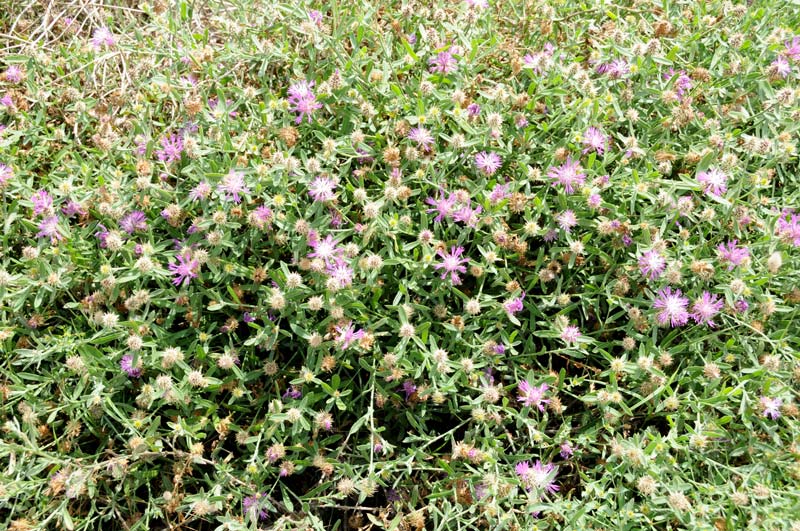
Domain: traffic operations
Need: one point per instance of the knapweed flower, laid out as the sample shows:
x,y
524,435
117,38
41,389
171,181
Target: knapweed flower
x,y
201,191
409,388
185,269
321,189
340,272
42,202
6,173
254,506
488,162
532,396
734,255
13,74
422,137
539,477
594,140
673,306
325,249
566,220
442,206
781,66
652,264
566,450
126,364
232,185
615,69
512,306
303,100
714,181
102,37
705,308
48,228
443,63
788,230
792,49
134,221
771,407
567,175
452,264
570,334
347,335
171,148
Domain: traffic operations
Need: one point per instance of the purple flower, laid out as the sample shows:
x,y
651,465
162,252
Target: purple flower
x,y
792,49
325,249
488,162
473,109
714,181
126,364
247,317
134,221
782,66
652,264
566,450
232,185
254,506
733,254
101,235
6,173
340,272
322,189
315,16
294,393
788,230
409,388
499,192
422,137
103,37
13,74
771,407
532,396
444,63
442,206
567,175
615,69
42,202
594,140
673,307
467,215
185,269
201,191
451,263
566,220
7,101
72,208
347,335
741,306
48,228
539,477
571,334
705,308
512,306
263,216
171,148
303,100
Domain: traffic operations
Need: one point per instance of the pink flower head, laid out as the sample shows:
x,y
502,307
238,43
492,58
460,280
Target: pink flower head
x,y
48,228
792,49
103,37
185,269
532,396
594,140
325,249
788,230
442,206
539,477
652,264
347,335
6,173
714,181
303,100
341,272
488,162
673,306
232,185
443,63
452,264
771,407
512,306
566,220
42,202
171,148
567,175
126,364
571,334
782,66
133,222
705,308
201,191
422,137
321,189
733,254
13,74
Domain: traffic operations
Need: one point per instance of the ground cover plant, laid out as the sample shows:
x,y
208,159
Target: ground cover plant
x,y
399,265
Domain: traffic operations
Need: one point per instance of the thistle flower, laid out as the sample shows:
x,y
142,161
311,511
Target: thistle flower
x,y
255,507
673,307
102,37
781,66
792,49
714,182
232,185
340,273
134,221
303,100
42,202
347,335
321,189
539,477
532,396
48,228
13,74
594,140
488,162
422,137
705,308
566,220
734,255
171,148
185,269
771,407
567,175
452,264
201,191
512,306
788,230
571,334
443,63
652,264
126,364
6,173
325,249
